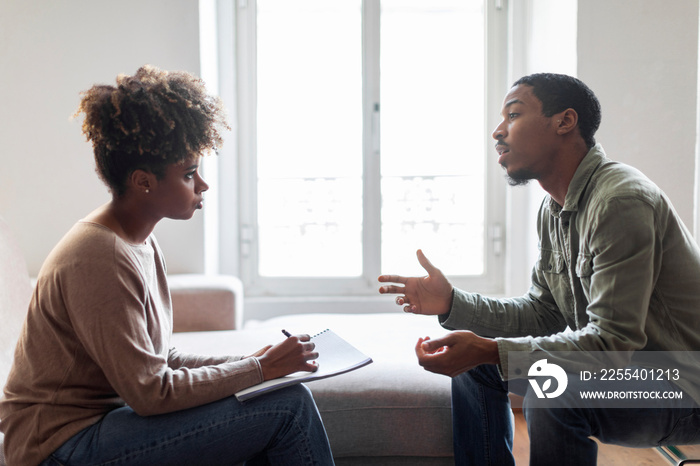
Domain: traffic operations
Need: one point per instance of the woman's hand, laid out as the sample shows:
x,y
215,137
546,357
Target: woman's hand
x,y
258,353
291,355
431,295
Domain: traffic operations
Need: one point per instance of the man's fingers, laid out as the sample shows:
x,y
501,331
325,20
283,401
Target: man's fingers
x,y
430,346
425,263
392,279
392,289
419,344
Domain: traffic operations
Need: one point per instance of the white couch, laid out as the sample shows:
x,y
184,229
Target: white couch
x,y
390,412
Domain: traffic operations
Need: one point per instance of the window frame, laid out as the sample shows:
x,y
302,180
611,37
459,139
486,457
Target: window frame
x,y
244,237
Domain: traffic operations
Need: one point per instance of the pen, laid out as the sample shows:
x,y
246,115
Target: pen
x,y
286,333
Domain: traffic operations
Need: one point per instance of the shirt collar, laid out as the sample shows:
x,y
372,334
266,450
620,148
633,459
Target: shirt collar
x,y
584,172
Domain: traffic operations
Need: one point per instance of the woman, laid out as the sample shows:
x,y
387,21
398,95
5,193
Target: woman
x,y
94,380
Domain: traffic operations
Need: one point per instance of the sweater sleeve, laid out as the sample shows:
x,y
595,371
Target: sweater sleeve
x,y
120,321
178,359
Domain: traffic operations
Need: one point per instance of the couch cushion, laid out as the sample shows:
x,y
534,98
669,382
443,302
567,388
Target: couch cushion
x,y
206,302
390,408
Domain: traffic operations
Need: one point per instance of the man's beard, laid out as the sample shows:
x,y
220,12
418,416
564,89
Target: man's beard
x,y
519,178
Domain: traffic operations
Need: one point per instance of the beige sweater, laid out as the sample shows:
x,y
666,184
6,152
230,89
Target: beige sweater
x,y
96,337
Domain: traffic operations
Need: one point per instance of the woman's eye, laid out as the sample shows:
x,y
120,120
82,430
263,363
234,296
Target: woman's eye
x,y
512,116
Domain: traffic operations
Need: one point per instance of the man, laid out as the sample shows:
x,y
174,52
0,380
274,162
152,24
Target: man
x,y
617,272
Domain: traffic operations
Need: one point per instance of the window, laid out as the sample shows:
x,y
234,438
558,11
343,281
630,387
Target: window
x,y
364,134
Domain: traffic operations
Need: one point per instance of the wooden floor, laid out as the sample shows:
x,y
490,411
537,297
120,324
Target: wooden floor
x,y
608,455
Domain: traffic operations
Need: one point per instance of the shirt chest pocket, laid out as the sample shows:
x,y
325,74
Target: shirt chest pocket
x,y
552,269
551,262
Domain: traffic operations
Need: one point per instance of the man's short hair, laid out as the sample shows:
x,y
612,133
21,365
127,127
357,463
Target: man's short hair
x,y
557,92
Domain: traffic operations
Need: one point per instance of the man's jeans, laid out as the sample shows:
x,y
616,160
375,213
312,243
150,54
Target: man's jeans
x,y
483,428
282,427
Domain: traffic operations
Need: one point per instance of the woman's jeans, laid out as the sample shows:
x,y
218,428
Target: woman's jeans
x,y
483,426
281,428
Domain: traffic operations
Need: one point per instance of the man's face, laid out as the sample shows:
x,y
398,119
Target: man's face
x,y
525,138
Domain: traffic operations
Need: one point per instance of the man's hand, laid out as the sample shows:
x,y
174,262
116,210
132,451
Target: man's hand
x,y
291,355
431,295
456,352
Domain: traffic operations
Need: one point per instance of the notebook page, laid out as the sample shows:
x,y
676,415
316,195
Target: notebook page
x,y
336,356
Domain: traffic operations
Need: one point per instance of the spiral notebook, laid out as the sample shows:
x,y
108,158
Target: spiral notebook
x,y
335,356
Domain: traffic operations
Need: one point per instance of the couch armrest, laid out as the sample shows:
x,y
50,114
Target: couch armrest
x,y
206,302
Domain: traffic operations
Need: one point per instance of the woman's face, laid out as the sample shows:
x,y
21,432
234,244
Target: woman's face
x,y
180,192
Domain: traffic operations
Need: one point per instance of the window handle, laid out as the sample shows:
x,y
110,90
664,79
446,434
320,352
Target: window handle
x,y
375,128
497,238
246,240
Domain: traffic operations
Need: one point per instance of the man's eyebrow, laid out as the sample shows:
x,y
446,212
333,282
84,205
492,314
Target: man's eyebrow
x,y
512,102
193,166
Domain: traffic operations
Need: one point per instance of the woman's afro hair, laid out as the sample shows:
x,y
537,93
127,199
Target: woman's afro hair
x,y
148,121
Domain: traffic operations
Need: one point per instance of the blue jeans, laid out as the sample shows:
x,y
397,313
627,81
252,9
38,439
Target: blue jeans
x,y
283,427
483,428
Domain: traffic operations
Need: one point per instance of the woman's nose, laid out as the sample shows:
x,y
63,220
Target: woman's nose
x,y
201,185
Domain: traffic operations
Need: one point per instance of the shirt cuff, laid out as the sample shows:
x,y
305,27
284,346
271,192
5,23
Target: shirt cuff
x,y
522,345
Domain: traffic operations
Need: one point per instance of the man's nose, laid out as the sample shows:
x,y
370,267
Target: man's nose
x,y
499,132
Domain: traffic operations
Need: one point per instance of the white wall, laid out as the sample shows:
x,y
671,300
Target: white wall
x,y
641,59
49,52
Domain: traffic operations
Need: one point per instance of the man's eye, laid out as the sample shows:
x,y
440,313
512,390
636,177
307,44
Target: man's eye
x,y
190,175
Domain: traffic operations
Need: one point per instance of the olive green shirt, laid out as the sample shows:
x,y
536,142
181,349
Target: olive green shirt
x,y
617,271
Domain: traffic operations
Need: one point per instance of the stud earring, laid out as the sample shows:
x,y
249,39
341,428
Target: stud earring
x,y
148,191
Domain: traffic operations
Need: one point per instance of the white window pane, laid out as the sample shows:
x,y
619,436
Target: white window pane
x,y
432,134
433,213
314,231
309,137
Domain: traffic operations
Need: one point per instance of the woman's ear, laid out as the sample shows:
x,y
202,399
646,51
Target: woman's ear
x,y
141,181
